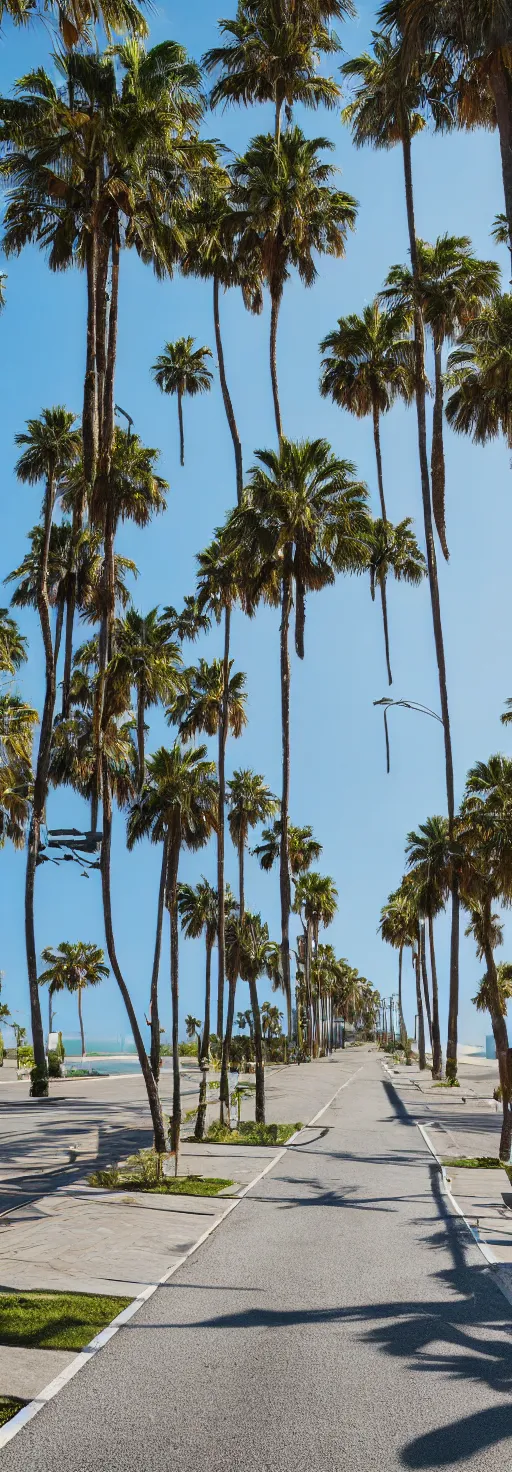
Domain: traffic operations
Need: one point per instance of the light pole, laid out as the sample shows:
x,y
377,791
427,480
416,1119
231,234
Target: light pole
x,y
387,704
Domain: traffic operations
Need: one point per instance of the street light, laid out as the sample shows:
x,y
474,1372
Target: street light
x,y
387,704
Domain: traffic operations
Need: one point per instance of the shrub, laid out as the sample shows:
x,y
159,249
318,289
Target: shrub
x,y
54,1064
187,1050
26,1056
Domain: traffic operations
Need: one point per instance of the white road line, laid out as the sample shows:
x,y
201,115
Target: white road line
x,y
16,1424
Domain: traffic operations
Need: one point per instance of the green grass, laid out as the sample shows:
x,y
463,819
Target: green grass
x,y
249,1133
448,1083
479,1162
8,1407
55,1320
168,1186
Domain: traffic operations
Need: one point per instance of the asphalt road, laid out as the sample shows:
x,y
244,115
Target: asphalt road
x,y
340,1320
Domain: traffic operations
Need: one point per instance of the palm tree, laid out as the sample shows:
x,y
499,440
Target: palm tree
x,y
485,838
177,807
250,801
388,108
193,1028
72,967
316,901
76,19
272,54
303,848
427,861
397,929
303,519
368,365
104,162
181,369
243,1020
480,375
484,1000
151,664
17,723
212,254
13,645
288,212
394,549
475,42
250,954
199,911
49,446
453,287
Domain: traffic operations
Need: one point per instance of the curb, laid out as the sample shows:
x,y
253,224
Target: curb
x,y
21,1419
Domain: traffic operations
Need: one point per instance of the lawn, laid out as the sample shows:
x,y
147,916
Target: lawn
x,y
114,1180
55,1320
9,1407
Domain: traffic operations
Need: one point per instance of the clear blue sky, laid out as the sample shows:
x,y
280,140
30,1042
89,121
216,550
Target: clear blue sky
x,y
339,783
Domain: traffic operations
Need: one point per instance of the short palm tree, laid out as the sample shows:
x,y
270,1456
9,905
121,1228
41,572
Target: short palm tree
x,y
288,213
199,913
73,967
368,364
178,808
49,446
480,375
395,552
303,519
398,930
193,1029
250,801
250,954
150,662
428,864
271,54
182,370
243,1020
453,286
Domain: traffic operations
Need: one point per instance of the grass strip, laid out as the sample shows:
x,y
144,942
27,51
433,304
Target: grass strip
x,y
249,1133
9,1407
479,1162
37,1320
168,1186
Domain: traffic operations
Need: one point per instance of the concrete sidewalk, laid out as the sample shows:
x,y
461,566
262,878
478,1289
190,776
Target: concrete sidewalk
x,y
82,1239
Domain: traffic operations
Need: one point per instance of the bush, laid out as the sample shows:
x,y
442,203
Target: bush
x,y
54,1064
241,1052
26,1056
250,1133
38,1083
187,1050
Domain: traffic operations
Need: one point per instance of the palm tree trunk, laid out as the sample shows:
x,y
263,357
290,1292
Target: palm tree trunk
x,y
384,601
424,973
140,736
68,647
437,465
226,1050
153,1002
419,350
378,457
39,1083
90,403
81,1020
174,856
499,1027
180,422
403,1029
284,861
228,406
258,1054
274,315
108,403
149,1079
223,731
437,1052
58,634
205,1047
499,80
421,1029
241,877
101,328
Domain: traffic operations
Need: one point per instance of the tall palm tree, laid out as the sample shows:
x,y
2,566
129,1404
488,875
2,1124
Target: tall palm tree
x,y
453,287
177,807
480,375
303,848
388,108
75,19
394,550
303,519
316,901
484,1001
13,645
475,40
250,801
151,664
288,213
49,446
72,967
427,861
182,370
212,254
17,723
272,54
250,954
368,364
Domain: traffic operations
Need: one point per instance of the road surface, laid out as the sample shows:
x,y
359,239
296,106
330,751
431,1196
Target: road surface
x,y
340,1320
